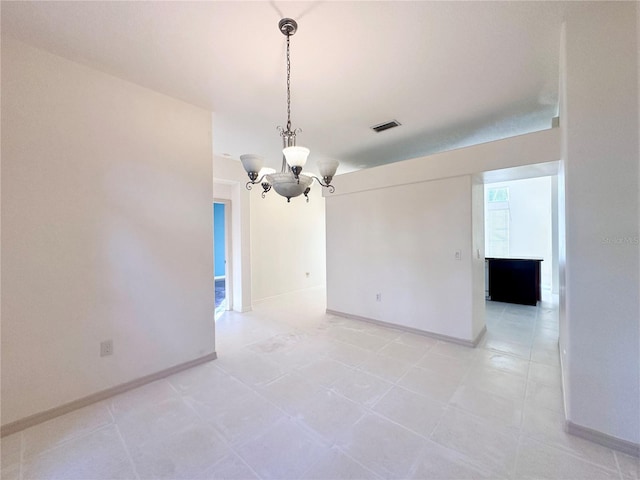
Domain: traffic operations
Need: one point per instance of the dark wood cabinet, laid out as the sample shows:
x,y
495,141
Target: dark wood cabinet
x,y
514,280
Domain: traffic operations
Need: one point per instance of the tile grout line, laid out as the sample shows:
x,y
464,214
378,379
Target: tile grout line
x,y
127,452
21,468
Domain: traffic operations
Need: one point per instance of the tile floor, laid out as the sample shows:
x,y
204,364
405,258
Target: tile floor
x,y
298,394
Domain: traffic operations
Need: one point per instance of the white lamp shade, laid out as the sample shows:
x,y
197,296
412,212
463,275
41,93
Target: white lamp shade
x,y
296,156
328,167
251,162
266,171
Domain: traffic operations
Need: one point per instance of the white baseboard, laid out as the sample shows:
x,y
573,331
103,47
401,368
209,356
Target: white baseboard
x,y
437,336
603,439
41,417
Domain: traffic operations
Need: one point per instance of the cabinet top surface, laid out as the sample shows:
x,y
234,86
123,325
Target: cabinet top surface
x,y
527,259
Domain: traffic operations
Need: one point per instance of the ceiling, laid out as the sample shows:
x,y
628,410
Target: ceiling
x,y
452,73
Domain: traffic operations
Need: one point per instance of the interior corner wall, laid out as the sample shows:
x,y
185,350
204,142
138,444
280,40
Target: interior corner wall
x,y
287,243
229,184
107,231
600,336
401,242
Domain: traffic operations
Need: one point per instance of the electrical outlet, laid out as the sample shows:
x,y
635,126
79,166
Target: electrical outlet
x,y
307,274
458,254
378,297
106,348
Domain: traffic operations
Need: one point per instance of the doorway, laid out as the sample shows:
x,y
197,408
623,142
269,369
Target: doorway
x,y
221,264
519,224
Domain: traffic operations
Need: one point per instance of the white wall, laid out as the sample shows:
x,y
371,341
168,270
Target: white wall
x,y
396,228
599,328
287,242
530,221
107,231
400,242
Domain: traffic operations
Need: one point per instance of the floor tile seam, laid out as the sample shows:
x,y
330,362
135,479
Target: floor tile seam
x,y
314,434
268,401
22,455
517,459
395,382
392,382
328,442
49,448
404,427
206,420
402,387
386,392
422,435
502,429
567,451
457,385
346,454
252,386
235,446
349,345
492,349
615,456
534,362
475,461
304,474
468,461
493,420
367,410
500,394
507,372
241,458
539,349
25,460
409,362
244,461
326,357
210,421
127,452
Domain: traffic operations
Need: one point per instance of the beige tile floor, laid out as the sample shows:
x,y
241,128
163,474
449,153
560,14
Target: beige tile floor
x,y
299,394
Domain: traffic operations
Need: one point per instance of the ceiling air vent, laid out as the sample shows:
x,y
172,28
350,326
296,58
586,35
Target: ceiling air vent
x,y
385,126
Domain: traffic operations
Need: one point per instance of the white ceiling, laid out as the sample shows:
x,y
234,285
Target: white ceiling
x,y
452,73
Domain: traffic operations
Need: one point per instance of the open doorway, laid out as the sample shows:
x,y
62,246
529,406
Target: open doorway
x,y
519,227
221,246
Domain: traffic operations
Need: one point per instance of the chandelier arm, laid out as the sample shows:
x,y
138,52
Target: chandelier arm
x,y
255,182
331,188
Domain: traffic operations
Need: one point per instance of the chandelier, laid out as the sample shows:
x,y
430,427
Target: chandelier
x,y
290,181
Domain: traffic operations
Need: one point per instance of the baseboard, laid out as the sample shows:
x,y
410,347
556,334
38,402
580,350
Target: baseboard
x,y
603,439
41,417
437,336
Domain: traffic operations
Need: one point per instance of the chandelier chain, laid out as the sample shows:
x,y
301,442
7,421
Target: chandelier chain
x,y
288,86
